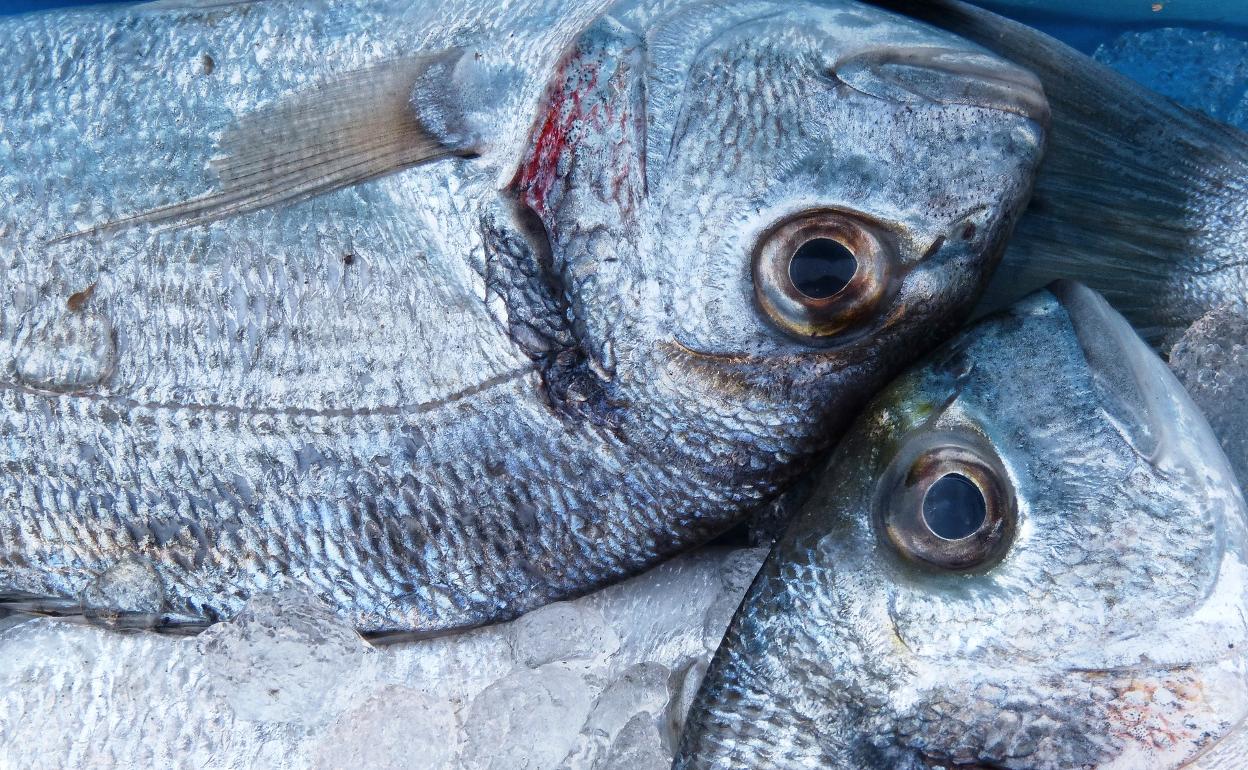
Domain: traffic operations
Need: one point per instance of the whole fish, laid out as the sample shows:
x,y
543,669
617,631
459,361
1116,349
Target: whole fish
x,y
1028,553
446,310
1139,197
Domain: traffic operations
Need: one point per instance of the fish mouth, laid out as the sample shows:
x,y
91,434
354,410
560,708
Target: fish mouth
x,y
909,74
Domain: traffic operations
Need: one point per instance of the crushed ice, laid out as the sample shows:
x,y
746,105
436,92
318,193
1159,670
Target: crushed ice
x,y
599,683
1211,360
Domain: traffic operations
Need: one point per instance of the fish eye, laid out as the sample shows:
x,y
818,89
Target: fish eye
x,y
822,267
948,505
822,273
953,507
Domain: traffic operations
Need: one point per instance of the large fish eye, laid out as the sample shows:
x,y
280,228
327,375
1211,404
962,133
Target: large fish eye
x,y
822,267
822,272
947,503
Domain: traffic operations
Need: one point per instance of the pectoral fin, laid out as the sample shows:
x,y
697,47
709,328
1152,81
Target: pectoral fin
x,y
350,129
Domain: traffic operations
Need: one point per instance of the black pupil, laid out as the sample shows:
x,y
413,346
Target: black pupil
x,y
954,507
822,267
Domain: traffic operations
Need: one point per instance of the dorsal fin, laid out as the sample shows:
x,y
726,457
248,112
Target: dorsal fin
x,y
346,130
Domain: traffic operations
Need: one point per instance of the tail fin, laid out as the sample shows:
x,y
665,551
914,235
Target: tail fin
x,y
1138,196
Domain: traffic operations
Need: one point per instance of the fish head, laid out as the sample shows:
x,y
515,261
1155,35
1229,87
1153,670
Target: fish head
x,y
763,209
1029,552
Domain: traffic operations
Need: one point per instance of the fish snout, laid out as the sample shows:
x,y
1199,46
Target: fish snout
x,y
911,74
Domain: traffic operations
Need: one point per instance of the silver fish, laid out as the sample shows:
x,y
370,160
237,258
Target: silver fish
x,y
446,310
1138,197
1029,553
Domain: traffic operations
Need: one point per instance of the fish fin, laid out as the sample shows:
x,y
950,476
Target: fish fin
x,y
1137,196
352,128
30,604
72,610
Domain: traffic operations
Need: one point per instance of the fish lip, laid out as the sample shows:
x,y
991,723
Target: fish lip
x,y
973,78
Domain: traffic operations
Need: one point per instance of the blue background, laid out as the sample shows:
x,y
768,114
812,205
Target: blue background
x,y
17,6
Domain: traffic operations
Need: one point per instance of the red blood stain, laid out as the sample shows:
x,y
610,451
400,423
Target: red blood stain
x,y
591,114
563,109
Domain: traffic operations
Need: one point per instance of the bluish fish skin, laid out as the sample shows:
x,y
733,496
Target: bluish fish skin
x,y
455,392
1107,631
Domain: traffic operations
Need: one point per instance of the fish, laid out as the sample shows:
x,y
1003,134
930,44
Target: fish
x,y
443,311
1029,552
1138,197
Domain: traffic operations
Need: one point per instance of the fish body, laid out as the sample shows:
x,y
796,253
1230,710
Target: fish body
x,y
1091,613
444,310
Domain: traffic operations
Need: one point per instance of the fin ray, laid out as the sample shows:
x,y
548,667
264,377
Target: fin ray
x,y
350,129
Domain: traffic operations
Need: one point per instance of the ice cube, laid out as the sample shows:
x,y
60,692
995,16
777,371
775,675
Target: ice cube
x,y
736,572
395,729
563,631
9,620
529,720
655,614
642,688
639,746
682,699
285,658
1211,360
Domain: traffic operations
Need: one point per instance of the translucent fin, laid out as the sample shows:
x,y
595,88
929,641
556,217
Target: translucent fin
x,y
71,610
28,604
1138,197
353,128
